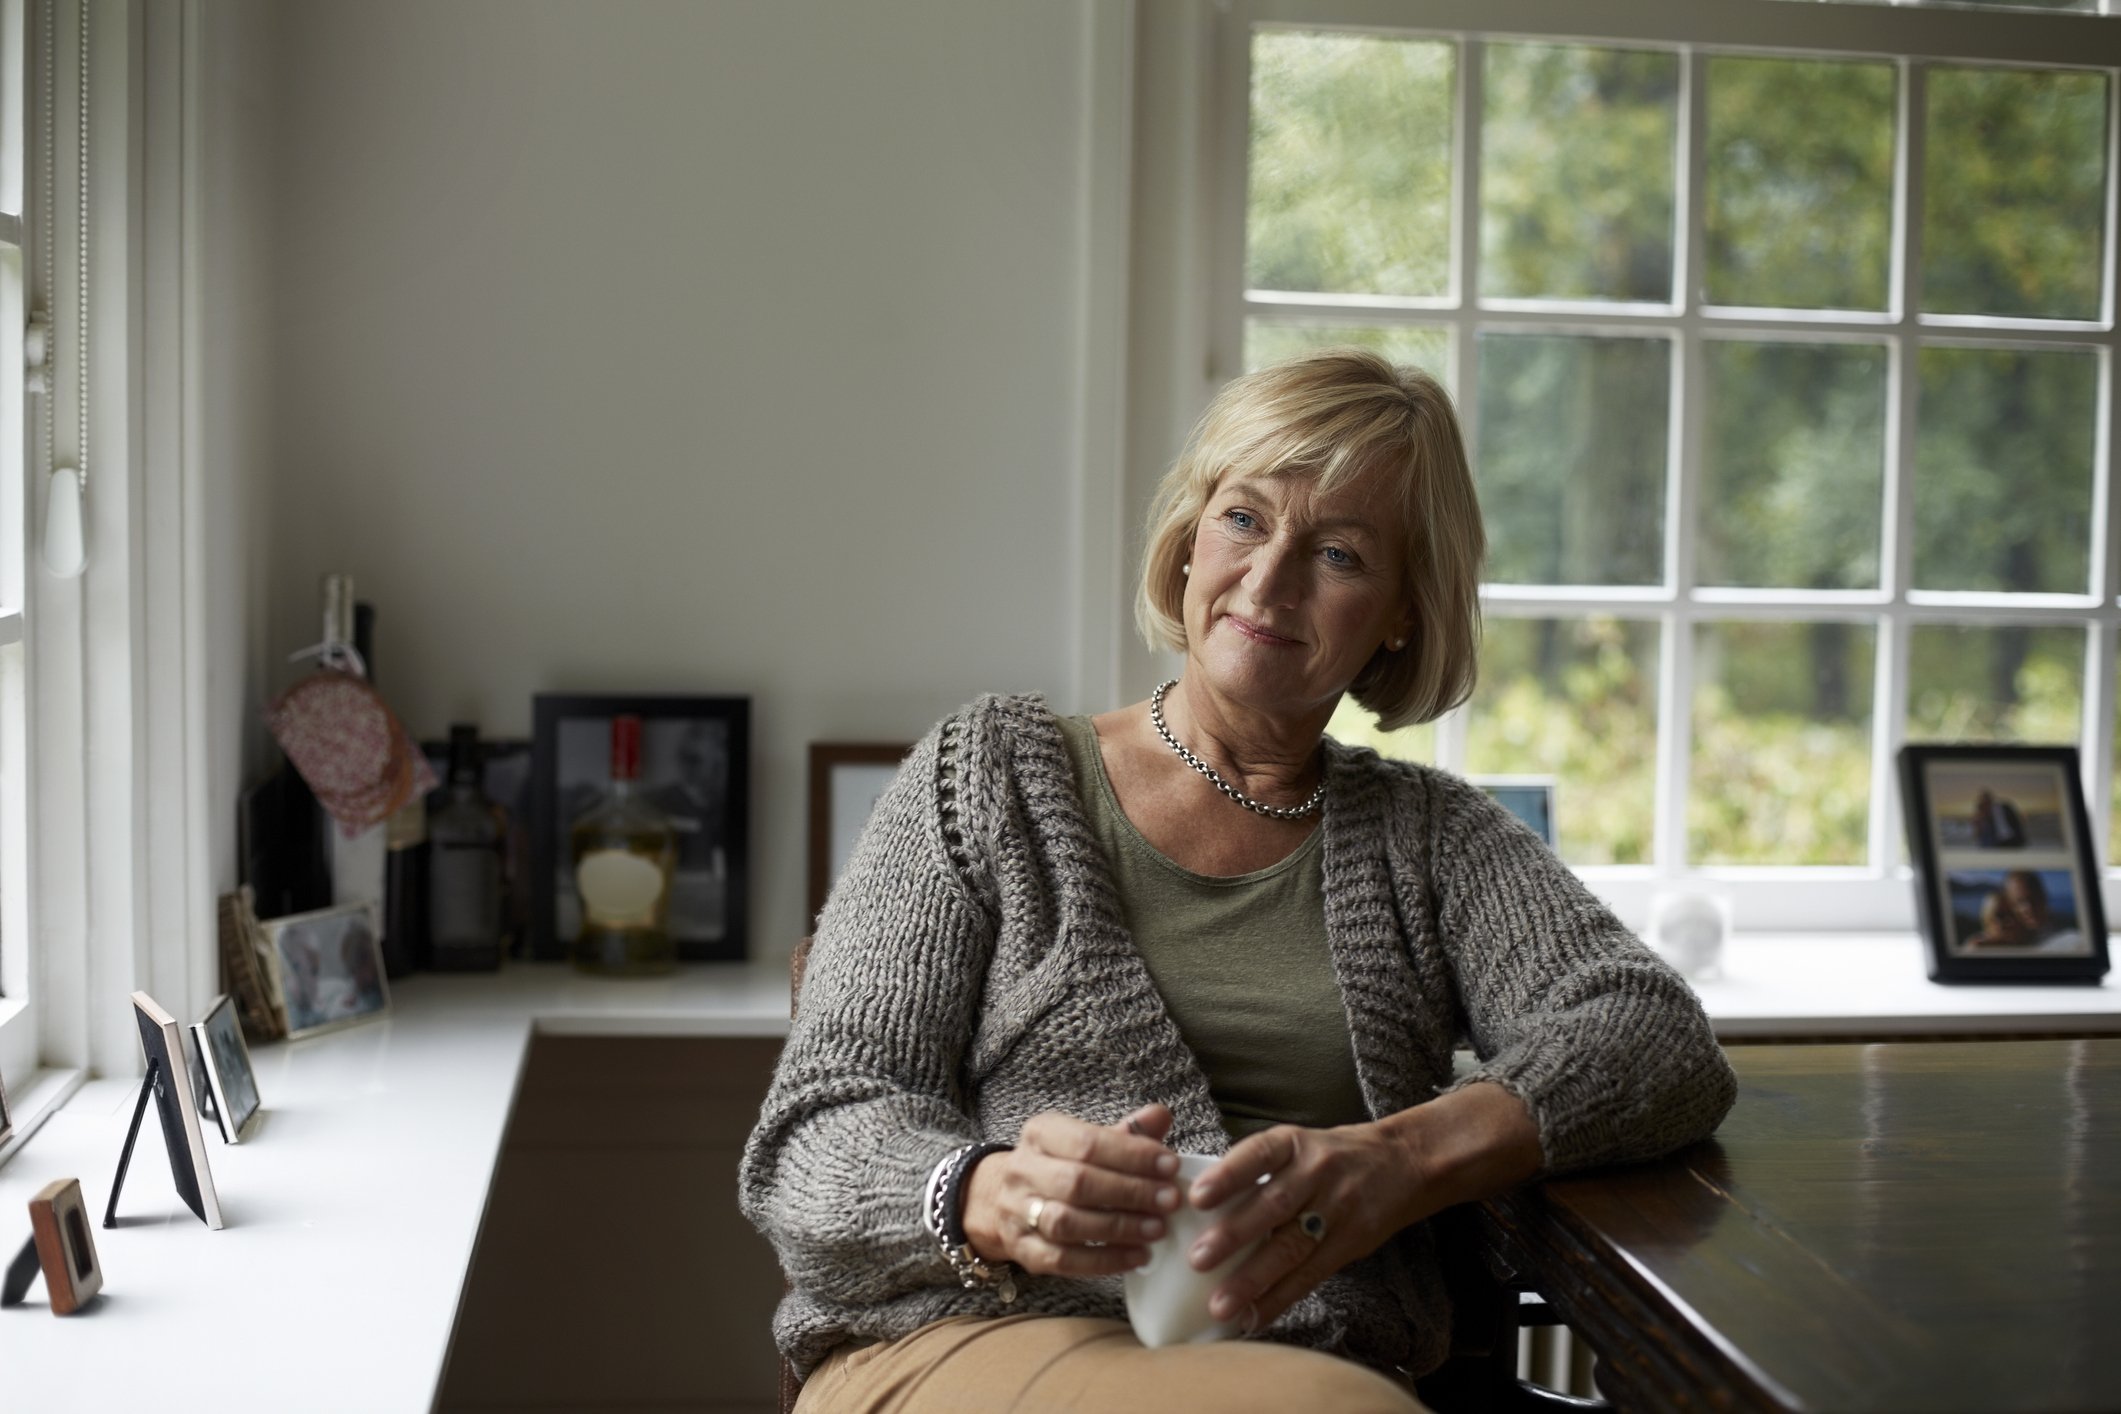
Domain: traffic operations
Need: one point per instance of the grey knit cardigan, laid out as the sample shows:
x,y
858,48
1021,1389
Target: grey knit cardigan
x,y
973,968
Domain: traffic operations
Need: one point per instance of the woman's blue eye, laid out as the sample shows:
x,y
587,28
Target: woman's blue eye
x,y
1339,557
1241,519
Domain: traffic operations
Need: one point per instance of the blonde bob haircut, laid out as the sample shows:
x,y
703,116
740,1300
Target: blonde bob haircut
x,y
1334,417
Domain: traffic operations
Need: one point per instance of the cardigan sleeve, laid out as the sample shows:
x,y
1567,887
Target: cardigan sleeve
x,y
1601,1039
867,1096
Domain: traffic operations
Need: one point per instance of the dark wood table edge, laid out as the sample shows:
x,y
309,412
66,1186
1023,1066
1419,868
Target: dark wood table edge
x,y
1876,1038
1626,1319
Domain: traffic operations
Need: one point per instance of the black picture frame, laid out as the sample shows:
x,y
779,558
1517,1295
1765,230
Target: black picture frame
x,y
695,764
162,1045
2007,881
507,770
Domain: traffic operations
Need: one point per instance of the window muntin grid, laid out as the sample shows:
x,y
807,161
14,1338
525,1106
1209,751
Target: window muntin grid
x,y
1680,604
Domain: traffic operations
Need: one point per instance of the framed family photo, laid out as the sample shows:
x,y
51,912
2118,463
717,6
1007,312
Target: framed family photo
x,y
846,780
327,968
222,1063
695,768
2006,875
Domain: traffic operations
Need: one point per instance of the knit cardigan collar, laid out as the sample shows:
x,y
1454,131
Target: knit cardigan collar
x,y
1373,910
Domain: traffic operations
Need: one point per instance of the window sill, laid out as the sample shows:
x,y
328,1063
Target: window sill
x,y
1805,986
36,1102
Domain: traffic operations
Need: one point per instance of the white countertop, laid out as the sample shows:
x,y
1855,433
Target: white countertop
x,y
351,1210
353,1207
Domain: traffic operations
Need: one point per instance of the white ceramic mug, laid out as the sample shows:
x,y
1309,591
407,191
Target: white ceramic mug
x,y
1167,1301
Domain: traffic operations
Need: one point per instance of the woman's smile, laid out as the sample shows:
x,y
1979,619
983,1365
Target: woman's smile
x,y
1254,632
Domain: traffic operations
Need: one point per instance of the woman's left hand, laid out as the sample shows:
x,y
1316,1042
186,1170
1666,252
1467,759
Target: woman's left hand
x,y
1331,1196
1354,1186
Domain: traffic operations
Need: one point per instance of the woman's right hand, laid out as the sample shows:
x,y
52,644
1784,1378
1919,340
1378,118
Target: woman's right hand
x,y
1100,1195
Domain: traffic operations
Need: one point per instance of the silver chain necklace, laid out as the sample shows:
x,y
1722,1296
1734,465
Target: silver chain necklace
x,y
1272,812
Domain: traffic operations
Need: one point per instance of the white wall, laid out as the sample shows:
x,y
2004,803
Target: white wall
x,y
727,348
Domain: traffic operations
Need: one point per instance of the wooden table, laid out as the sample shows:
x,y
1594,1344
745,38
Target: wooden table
x,y
1906,1226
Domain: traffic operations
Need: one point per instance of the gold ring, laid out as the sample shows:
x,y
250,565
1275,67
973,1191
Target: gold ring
x,y
1038,1210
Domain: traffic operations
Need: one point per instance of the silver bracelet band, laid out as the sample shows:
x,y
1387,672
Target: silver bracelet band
x,y
941,1204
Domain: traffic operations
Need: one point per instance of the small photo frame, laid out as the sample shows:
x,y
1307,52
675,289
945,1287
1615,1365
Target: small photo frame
x,y
162,1043
846,781
7,1125
2006,875
1529,798
327,968
219,1053
695,768
62,1247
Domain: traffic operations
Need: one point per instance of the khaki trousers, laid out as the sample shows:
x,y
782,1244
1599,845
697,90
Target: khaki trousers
x,y
1037,1364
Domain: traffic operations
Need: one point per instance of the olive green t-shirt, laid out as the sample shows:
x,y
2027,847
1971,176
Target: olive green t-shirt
x,y
1241,963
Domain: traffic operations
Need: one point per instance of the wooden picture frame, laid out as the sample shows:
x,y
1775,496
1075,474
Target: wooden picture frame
x,y
695,766
846,778
246,967
62,1245
327,968
2006,874
162,1043
217,1043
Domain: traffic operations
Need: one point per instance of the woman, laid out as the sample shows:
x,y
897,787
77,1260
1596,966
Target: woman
x,y
1064,949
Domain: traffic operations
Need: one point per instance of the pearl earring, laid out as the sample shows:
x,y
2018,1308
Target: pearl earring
x,y
1186,568
1398,643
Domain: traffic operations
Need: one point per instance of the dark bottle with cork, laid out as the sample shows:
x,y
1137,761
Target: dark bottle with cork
x,y
465,842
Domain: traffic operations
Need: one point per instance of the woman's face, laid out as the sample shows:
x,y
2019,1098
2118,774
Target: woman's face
x,y
1292,592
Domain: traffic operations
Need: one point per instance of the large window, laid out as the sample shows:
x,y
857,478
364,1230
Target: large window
x,y
1788,374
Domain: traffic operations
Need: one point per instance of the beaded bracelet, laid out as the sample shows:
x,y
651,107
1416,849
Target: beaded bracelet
x,y
942,1214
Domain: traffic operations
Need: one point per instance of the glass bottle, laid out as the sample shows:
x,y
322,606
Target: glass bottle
x,y
624,851
464,875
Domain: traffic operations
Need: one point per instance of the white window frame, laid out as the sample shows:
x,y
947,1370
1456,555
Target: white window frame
x,y
1874,896
113,885
18,1017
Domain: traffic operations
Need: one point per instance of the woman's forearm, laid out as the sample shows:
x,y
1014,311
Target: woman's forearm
x,y
1470,1144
